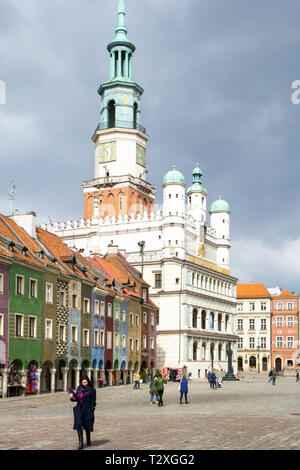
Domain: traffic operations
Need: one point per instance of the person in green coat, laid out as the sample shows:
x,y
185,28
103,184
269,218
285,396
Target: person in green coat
x,y
160,388
153,390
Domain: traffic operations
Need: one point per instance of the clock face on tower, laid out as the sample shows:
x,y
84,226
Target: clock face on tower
x,y
107,152
140,155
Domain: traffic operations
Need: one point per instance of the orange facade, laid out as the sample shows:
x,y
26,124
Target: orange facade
x,y
285,331
113,202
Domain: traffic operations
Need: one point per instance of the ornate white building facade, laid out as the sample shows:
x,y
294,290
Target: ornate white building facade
x,y
184,258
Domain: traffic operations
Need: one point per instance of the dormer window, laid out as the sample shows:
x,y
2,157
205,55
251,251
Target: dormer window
x,y
11,246
24,251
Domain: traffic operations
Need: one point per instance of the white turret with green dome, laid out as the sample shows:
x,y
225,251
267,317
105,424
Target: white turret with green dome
x,y
197,197
220,222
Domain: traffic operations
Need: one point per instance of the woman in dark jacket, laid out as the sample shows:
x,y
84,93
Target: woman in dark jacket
x,y
84,417
184,390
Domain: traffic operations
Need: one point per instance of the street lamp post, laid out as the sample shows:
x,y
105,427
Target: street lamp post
x,y
258,348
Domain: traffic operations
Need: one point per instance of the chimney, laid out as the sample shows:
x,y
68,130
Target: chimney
x,y
26,220
112,249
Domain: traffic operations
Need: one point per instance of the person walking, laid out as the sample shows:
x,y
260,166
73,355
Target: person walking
x,y
297,376
84,417
160,388
184,389
153,391
274,377
208,376
213,379
137,379
270,376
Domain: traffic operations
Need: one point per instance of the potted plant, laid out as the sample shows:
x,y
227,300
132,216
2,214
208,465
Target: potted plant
x,y
100,383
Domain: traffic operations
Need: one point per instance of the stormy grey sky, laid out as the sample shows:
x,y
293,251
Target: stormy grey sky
x,y
217,76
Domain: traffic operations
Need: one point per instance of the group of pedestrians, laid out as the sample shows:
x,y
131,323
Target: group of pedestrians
x,y
272,377
214,381
157,385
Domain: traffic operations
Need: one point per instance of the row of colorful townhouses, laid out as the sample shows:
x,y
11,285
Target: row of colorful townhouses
x,y
267,324
64,316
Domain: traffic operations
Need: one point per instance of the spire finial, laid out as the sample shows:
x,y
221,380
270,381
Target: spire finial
x,y
121,31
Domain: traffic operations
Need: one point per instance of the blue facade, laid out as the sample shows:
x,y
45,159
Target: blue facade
x,y
124,332
98,323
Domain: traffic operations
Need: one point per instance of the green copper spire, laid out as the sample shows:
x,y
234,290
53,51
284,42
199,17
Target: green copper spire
x,y
197,183
121,31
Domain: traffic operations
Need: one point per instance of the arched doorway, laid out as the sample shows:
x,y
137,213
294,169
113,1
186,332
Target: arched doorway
x,y
107,368
203,319
195,318
59,376
195,350
72,374
211,321
265,363
278,364
252,362
240,364
46,377
84,369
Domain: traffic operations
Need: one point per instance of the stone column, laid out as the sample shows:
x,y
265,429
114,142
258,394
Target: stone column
x,y
95,377
131,377
65,371
89,373
52,386
207,320
110,371
39,372
119,63
117,376
77,379
102,374
124,376
4,383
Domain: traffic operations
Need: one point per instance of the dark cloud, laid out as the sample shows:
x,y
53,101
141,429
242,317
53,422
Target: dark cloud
x,y
217,77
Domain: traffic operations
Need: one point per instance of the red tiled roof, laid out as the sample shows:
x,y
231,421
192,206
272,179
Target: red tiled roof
x,y
285,293
245,291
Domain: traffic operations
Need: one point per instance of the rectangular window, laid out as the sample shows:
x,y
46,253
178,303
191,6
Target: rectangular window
x,y
279,321
152,319
131,319
62,333
124,342
263,343
263,324
32,327
251,343
20,285
137,320
74,334
240,324
109,340
62,298
252,324
49,293
86,338
124,316
48,329
137,345
144,295
263,306
145,318
240,343
144,342
151,343
96,338
1,283
279,306
86,305
102,339
290,321
74,301
109,310
102,309
290,342
157,281
96,307
239,307
290,306
33,288
131,344
117,314
1,325
251,306
279,342
19,330
116,340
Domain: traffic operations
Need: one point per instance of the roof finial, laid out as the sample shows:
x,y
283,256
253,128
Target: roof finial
x,y
121,31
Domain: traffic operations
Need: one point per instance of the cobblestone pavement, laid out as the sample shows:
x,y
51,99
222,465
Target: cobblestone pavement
x,y
250,414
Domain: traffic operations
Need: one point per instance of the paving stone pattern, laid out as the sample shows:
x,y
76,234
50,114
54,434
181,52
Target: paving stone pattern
x,y
250,414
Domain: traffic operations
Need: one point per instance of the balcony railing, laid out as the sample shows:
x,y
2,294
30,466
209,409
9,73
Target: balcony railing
x,y
122,124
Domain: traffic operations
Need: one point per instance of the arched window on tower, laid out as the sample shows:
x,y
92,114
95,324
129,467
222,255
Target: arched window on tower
x,y
135,110
111,114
